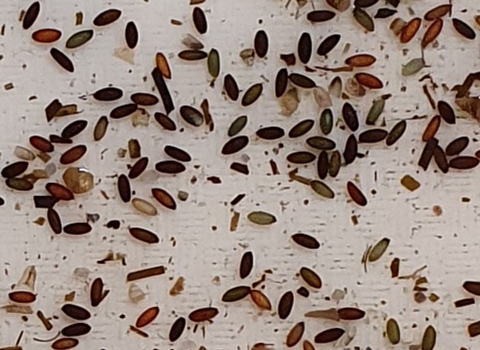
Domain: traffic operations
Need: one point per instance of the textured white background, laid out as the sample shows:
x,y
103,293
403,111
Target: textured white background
x,y
448,244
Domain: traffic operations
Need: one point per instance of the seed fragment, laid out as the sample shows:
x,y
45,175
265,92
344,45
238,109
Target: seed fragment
x,y
302,81
107,17
77,228
79,38
446,112
252,94
432,32
270,133
369,80
65,343
438,12
123,186
350,116
463,162
393,331
463,29
410,29
261,43
76,312
97,294
145,273
54,220
31,15
311,277
440,159
472,287
164,198
166,122
213,63
372,136
295,334
199,20
364,19
360,60
246,264
123,111
203,314
147,317
163,90
328,44
73,154
301,157
378,250
457,146
304,48
396,133
351,149
231,87
62,60
329,335
464,302
260,300
261,218
410,183
144,207
320,16
46,36
429,338
235,145
177,329
236,294
355,194
144,235
170,167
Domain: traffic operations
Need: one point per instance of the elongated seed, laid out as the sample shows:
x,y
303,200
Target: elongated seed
x,y
144,99
375,111
260,43
79,39
429,338
213,63
281,82
97,294
177,153
62,60
252,94
463,29
372,136
463,162
356,194
246,265
59,191
321,143
301,128
107,17
165,121
41,144
410,29
199,20
177,329
170,167
306,241
446,112
74,128
162,65
31,15
235,145
350,313
145,273
304,47
440,159
364,19
413,66
76,312
464,302
123,186
22,297
437,12
65,343
15,169
123,111
203,314
369,80
260,300
285,305
472,287
385,13
192,55
431,128
319,16
163,90
164,198
231,87
76,330
261,218
432,32
396,133
131,34
138,168
378,249
301,80
393,331
328,44
361,60
144,206
108,94
77,228
237,125
144,235
73,154
322,165
295,334
47,35
270,133
351,149
329,335
457,146
301,157
54,220
427,153
311,277
147,317
236,294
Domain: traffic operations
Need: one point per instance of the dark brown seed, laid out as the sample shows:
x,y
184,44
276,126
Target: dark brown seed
x,y
199,20
396,133
463,162
236,294
372,136
306,241
74,128
350,116
46,36
427,153
289,59
144,99
144,235
432,32
410,29
301,157
301,81
76,312
123,111
191,115
311,277
285,305
329,335
304,48
322,189
295,334
463,29
246,264
65,343
192,55
164,198
165,121
351,149
52,109
322,165
177,153
147,317
97,294
320,16
203,314
59,191
437,12
364,3
252,94
177,329
107,17
138,168
472,287
474,329
270,133
446,112
440,159
76,330
131,35
134,149
123,186
301,128
77,228
59,139
355,194
22,297
281,82
163,90
62,60
170,167
464,302
108,94
144,273
14,169
235,145
241,168
44,202
384,13
395,267
41,144
457,146
261,43
231,87
321,143
328,44
303,292
31,15
350,313
73,154
54,221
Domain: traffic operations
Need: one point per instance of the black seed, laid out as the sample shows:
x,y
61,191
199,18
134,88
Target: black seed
x,y
235,145
177,153
320,16
285,305
329,335
281,82
170,167
303,292
270,133
457,146
372,136
123,186
123,111
14,169
301,81
62,60
138,168
131,35
77,228
322,165
199,20
76,312
74,128
59,139
246,264
177,329
108,94
107,17
328,44
31,15
446,112
350,116
440,159
427,153
306,241
163,90
231,87
261,43
301,157
351,149
76,330
165,121
385,13
304,48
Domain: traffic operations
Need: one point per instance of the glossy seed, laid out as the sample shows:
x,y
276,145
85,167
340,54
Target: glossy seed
x,y
231,87
320,16
199,20
261,43
326,121
59,191
270,133
393,331
295,334
410,29
41,144
440,159
261,218
302,81
31,15
65,343
163,90
192,55
301,157
108,94
427,153
322,165
138,168
213,63
235,145
350,313
144,99
301,128
384,13
281,82
203,314
123,186
438,12
328,44
131,35
378,250
73,154
472,287
364,19
22,297
252,94
413,66
54,221
361,60
260,300
431,128
123,111
15,169
177,329
46,36
107,17
329,335
164,198
147,317
306,241
170,167
74,128
429,338
166,122
321,143
364,3
372,136
19,184
79,38
236,294
355,194
432,32
463,162
246,265
144,235
396,133
463,29
350,116
369,80
304,48
311,277
446,112
76,312
457,146
62,60
77,228
285,305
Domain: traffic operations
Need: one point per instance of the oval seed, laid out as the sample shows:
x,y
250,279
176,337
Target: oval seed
x,y
177,329
393,331
355,194
213,63
31,15
307,345
306,241
301,157
123,186
144,99
285,305
326,121
350,116
144,206
191,115
322,165
372,136
177,153
304,48
41,144
378,250
472,287
360,60
350,313
410,29
235,145
431,129
463,29
440,159
14,169
138,168
474,329
260,300
19,184
203,314
76,312
107,17
147,317
328,44
311,277
270,133
79,38
429,338
192,55
329,335
48,35
164,198
413,66
321,143
463,162
364,19
231,87
437,12
396,133
108,94
446,112
73,154
334,164
54,221
77,228
59,191
163,66
295,334
165,121
281,82
236,294
369,80
432,32
320,16
65,343
252,94
74,128
170,167
301,81
301,128
351,149
144,235
62,60
199,20
261,218
131,34
123,111
97,294
76,330
22,297
375,111
457,146
261,43
246,265
385,13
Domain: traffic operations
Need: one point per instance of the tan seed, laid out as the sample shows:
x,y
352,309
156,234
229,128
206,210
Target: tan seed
x,y
429,338
261,218
295,334
163,66
361,60
378,250
100,128
260,300
164,198
144,206
307,345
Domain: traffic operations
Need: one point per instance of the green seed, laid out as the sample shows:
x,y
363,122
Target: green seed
x,y
237,125
364,19
78,39
236,294
326,121
413,66
321,143
19,184
213,63
334,163
301,128
191,115
192,55
393,331
396,133
375,111
322,189
429,338
378,249
252,94
261,218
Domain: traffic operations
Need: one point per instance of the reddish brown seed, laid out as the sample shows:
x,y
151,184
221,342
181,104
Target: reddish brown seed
x,y
177,153
170,167
73,154
446,112
246,265
59,191
54,220
41,144
62,60
438,12
131,35
295,334
199,20
463,162
144,99
231,87
355,194
361,60
311,277
123,111
410,29
76,312
431,129
147,317
46,36
77,228
261,43
372,136
463,29
107,17
285,305
261,300
235,145
329,335
350,313
203,314
31,15
65,343
123,186
165,121
144,235
457,146
14,169
440,159
108,94
164,198
177,329
432,32
369,80
22,297
76,330
306,241
138,168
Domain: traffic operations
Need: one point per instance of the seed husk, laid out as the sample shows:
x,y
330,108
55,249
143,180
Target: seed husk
x,y
191,115
372,136
463,29
328,44
302,81
31,15
320,16
356,194
65,343
464,302
192,55
261,43
144,99
177,329
163,66
108,94
304,48
235,145
429,338
321,143
301,157
295,334
213,63
138,168
334,164
369,80
73,154
281,82
199,20
163,90
144,235
410,29
431,128
432,32
438,12
77,228
107,17
378,250
364,19
203,314
147,317
46,36
123,111
427,153
393,331
62,60
463,162
301,128
360,60
144,206
457,146
261,218
236,294
350,116
472,287
14,169
24,153
54,221
311,277
322,165
164,198
364,3
270,133
384,13
145,273
252,94
446,112
440,159
329,335
170,167
76,312
123,186
22,297
134,149
59,191
42,144
285,305
396,133
231,87
79,38
413,66
165,121
260,300
131,34
76,330
351,149
246,265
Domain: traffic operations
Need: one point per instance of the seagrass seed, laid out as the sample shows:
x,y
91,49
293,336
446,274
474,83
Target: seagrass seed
x,y
199,20
429,338
350,116
311,277
356,194
108,94
163,90
74,128
170,167
144,235
364,19
246,264
261,218
334,163
319,16
123,111
372,136
177,329
235,145
285,305
396,132
107,17
409,30
144,206
413,66
384,13
321,143
236,294
322,165
46,36
369,80
162,65
393,331
73,154
164,198
237,125
301,128
328,44
351,149
42,144
440,159
31,15
252,94
463,162
77,228
147,317
79,39
231,87
192,55
361,60
432,32
213,63
59,191
62,60
437,12
446,112
350,314
177,153
260,43
260,300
